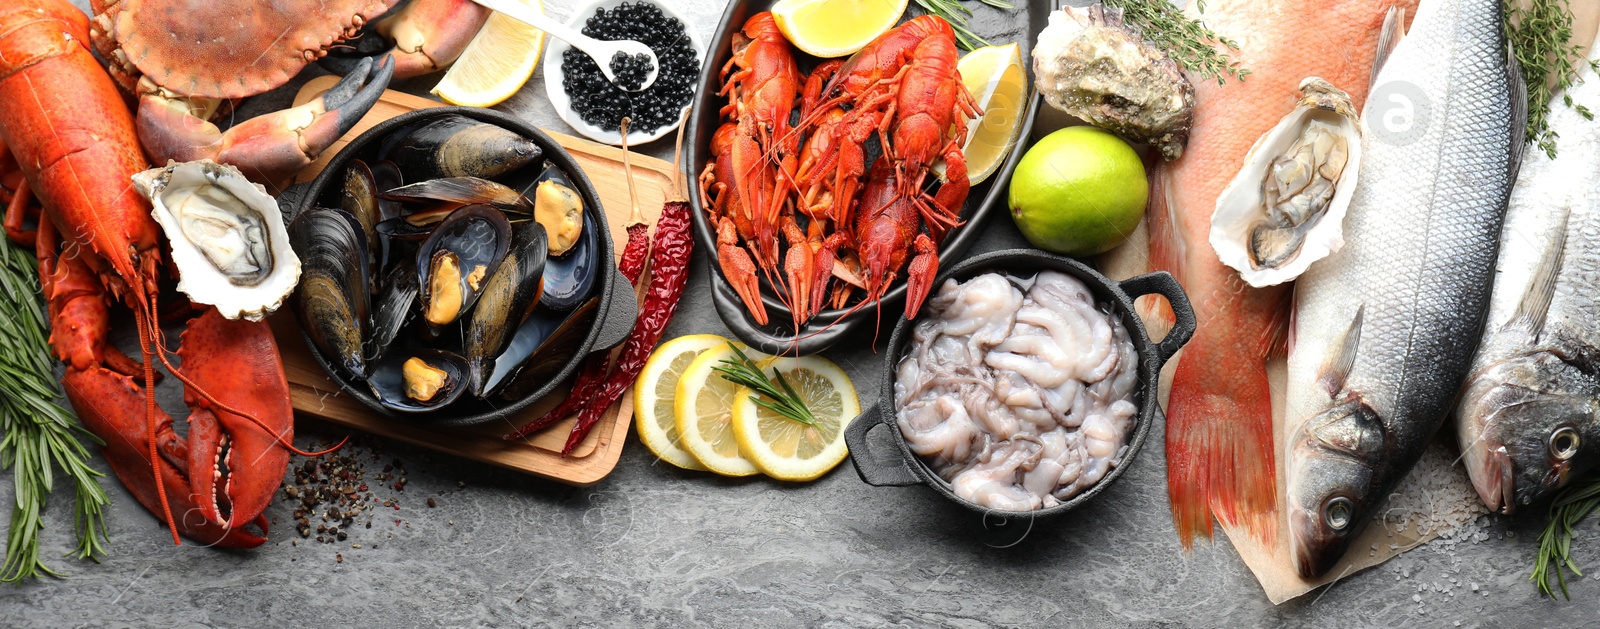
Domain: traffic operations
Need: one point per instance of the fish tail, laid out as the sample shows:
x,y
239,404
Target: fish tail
x,y
1220,458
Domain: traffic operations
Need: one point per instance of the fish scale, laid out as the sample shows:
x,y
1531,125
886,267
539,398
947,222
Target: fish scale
x,y
1409,292
1531,379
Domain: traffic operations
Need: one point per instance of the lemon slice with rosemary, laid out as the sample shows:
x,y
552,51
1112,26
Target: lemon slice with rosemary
x,y
787,448
704,412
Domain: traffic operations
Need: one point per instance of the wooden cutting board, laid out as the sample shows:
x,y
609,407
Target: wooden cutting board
x,y
315,395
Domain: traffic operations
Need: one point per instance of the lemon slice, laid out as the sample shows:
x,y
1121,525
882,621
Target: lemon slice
x,y
495,64
704,413
786,449
655,396
835,28
994,76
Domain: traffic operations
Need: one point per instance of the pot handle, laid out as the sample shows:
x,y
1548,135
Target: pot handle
x,y
617,323
813,337
874,472
1163,284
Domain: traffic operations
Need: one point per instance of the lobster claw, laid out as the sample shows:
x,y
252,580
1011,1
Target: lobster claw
x,y
920,273
113,407
240,464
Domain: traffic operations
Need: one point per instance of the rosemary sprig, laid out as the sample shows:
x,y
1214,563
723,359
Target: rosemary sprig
x,y
780,398
956,14
38,433
1541,37
1188,41
1570,506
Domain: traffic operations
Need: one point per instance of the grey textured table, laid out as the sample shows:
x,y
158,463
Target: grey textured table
x,y
656,546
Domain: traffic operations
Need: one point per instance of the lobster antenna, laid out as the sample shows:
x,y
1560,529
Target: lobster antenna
x,y
145,342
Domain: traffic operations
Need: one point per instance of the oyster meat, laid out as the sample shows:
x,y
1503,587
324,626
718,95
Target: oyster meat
x,y
1285,209
1092,65
227,235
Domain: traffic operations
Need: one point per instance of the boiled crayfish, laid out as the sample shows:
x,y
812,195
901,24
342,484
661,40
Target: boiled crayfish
x,y
862,222
73,139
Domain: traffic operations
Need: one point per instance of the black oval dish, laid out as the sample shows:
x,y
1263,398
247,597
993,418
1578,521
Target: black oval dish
x,y
613,318
908,469
1021,25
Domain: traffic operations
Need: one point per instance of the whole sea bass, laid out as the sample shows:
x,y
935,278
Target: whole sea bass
x,y
1219,415
1385,328
1528,420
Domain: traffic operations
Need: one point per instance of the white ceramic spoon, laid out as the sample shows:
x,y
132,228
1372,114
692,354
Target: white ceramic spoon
x,y
600,51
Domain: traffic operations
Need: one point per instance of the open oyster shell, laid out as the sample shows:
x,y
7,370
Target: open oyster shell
x,y
227,235
1092,65
1285,209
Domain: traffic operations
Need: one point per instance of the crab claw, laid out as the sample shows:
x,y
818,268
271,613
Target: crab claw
x,y
268,148
236,465
428,35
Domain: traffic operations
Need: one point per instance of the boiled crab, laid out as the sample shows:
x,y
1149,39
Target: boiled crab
x,y
183,66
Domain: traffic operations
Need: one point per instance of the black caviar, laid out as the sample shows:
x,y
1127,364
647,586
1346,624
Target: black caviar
x,y
603,104
630,71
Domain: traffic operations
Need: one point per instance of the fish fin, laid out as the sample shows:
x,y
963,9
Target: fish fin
x,y
1335,370
1394,30
1530,314
1276,337
1519,113
1221,464
1165,244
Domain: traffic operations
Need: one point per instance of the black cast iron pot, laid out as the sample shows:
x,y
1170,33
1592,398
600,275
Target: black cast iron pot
x,y
904,468
613,318
778,336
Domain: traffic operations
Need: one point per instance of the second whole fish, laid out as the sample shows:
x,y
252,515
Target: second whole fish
x,y
1386,328
1529,418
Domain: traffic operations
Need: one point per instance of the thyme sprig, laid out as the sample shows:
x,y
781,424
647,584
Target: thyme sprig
x,y
956,14
1187,40
1574,503
780,398
38,433
1541,37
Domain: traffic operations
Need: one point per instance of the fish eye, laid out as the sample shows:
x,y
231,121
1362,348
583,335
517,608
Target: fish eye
x,y
1564,443
1337,511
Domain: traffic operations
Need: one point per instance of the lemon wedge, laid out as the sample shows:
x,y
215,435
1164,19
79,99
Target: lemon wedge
x,y
495,64
835,28
994,76
704,413
655,396
786,449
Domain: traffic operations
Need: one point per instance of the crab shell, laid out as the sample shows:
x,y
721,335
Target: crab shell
x,y
174,189
198,48
1239,207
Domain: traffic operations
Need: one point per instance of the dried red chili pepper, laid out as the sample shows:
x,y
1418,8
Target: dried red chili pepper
x,y
669,273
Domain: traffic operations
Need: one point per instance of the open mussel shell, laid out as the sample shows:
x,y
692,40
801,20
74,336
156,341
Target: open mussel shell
x,y
571,277
419,381
457,146
505,299
542,344
463,190
395,307
461,254
558,206
332,301
386,176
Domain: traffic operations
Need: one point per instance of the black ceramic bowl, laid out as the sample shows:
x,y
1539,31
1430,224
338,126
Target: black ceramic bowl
x,y
1021,25
908,469
613,318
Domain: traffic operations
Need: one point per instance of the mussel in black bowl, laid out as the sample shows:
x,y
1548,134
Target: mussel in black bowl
x,y
419,381
506,299
462,252
332,300
536,352
457,146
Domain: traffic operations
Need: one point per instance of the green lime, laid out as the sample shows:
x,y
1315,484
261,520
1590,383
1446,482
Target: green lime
x,y
1079,192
